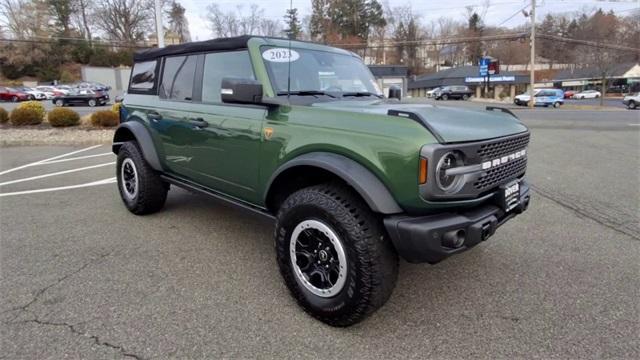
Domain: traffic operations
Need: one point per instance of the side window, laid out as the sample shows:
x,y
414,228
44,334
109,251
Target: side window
x,y
177,78
143,76
221,65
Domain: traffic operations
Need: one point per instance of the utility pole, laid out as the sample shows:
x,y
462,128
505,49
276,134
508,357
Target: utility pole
x,y
159,29
532,75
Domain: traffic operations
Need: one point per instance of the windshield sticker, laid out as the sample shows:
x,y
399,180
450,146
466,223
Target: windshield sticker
x,y
280,55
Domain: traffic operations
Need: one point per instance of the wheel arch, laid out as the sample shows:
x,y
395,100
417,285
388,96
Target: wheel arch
x,y
316,167
135,131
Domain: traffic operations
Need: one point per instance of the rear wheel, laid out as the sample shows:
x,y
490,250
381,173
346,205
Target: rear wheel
x,y
465,97
14,99
334,254
556,104
632,105
59,103
445,97
141,189
31,97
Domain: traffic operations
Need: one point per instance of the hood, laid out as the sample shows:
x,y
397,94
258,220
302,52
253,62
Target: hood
x,y
448,123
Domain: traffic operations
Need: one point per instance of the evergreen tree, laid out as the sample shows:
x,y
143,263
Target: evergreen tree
x,y
294,28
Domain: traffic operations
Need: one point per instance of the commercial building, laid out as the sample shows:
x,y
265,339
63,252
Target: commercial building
x,y
391,75
623,77
506,84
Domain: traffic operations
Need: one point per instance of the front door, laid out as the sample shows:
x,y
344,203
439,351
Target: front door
x,y
228,160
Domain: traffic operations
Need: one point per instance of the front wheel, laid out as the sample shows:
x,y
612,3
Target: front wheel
x,y
632,105
465,97
556,104
445,97
14,99
334,254
141,189
92,103
59,103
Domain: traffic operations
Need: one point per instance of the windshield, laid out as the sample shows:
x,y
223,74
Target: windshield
x,y
317,73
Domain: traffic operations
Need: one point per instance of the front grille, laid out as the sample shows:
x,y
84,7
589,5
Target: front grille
x,y
503,173
503,147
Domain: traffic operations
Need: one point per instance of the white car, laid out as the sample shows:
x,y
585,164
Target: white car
x,y
51,91
33,93
431,92
587,94
523,99
632,101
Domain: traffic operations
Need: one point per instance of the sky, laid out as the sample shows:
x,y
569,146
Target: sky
x,y
499,10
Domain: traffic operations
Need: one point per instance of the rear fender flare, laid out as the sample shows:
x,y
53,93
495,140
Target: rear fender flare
x,y
141,135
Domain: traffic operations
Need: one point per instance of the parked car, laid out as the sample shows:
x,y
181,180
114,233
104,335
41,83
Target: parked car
x,y
453,92
14,95
82,97
632,101
52,91
568,94
33,93
352,179
432,91
92,86
543,97
587,94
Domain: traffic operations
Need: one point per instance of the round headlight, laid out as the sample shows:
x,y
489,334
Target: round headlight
x,y
448,183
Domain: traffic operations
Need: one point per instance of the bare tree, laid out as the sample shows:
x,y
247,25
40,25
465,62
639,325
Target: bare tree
x,y
82,16
125,20
178,22
234,23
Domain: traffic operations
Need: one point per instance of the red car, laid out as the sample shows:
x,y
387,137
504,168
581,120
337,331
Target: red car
x,y
568,94
10,94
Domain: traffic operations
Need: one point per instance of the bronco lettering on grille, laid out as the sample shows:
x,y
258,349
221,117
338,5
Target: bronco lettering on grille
x,y
503,160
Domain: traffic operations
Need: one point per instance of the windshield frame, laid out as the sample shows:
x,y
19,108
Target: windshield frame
x,y
331,95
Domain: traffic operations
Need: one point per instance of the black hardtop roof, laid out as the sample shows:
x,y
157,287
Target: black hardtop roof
x,y
220,44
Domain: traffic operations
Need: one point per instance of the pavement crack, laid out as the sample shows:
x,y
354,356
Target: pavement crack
x,y
95,338
621,222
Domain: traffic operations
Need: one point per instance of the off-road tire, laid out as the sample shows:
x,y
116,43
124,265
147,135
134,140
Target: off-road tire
x,y
151,192
372,263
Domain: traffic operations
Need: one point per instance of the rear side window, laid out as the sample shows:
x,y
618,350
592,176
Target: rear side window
x,y
177,78
221,65
143,77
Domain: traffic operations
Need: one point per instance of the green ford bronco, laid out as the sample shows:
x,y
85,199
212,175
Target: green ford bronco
x,y
301,133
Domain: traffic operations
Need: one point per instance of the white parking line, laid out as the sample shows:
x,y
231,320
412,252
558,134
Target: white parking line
x,y
56,173
73,158
94,183
49,159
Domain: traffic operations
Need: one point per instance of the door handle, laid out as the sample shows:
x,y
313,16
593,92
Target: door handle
x,y
154,116
199,122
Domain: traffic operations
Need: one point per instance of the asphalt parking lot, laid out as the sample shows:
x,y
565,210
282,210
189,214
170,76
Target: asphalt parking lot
x,y
83,278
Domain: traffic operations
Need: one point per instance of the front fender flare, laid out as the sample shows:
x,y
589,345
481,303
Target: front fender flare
x,y
370,188
142,137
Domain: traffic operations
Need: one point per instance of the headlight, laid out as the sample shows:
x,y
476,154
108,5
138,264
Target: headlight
x,y
449,183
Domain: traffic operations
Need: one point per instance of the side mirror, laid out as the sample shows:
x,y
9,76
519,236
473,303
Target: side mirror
x,y
241,91
395,93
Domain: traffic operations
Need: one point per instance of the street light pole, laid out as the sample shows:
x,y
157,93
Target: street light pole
x,y
159,28
532,64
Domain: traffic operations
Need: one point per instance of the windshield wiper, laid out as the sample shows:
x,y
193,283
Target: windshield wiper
x,y
361,93
305,93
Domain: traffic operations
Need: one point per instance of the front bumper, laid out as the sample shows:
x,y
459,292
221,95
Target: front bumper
x,y
425,238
